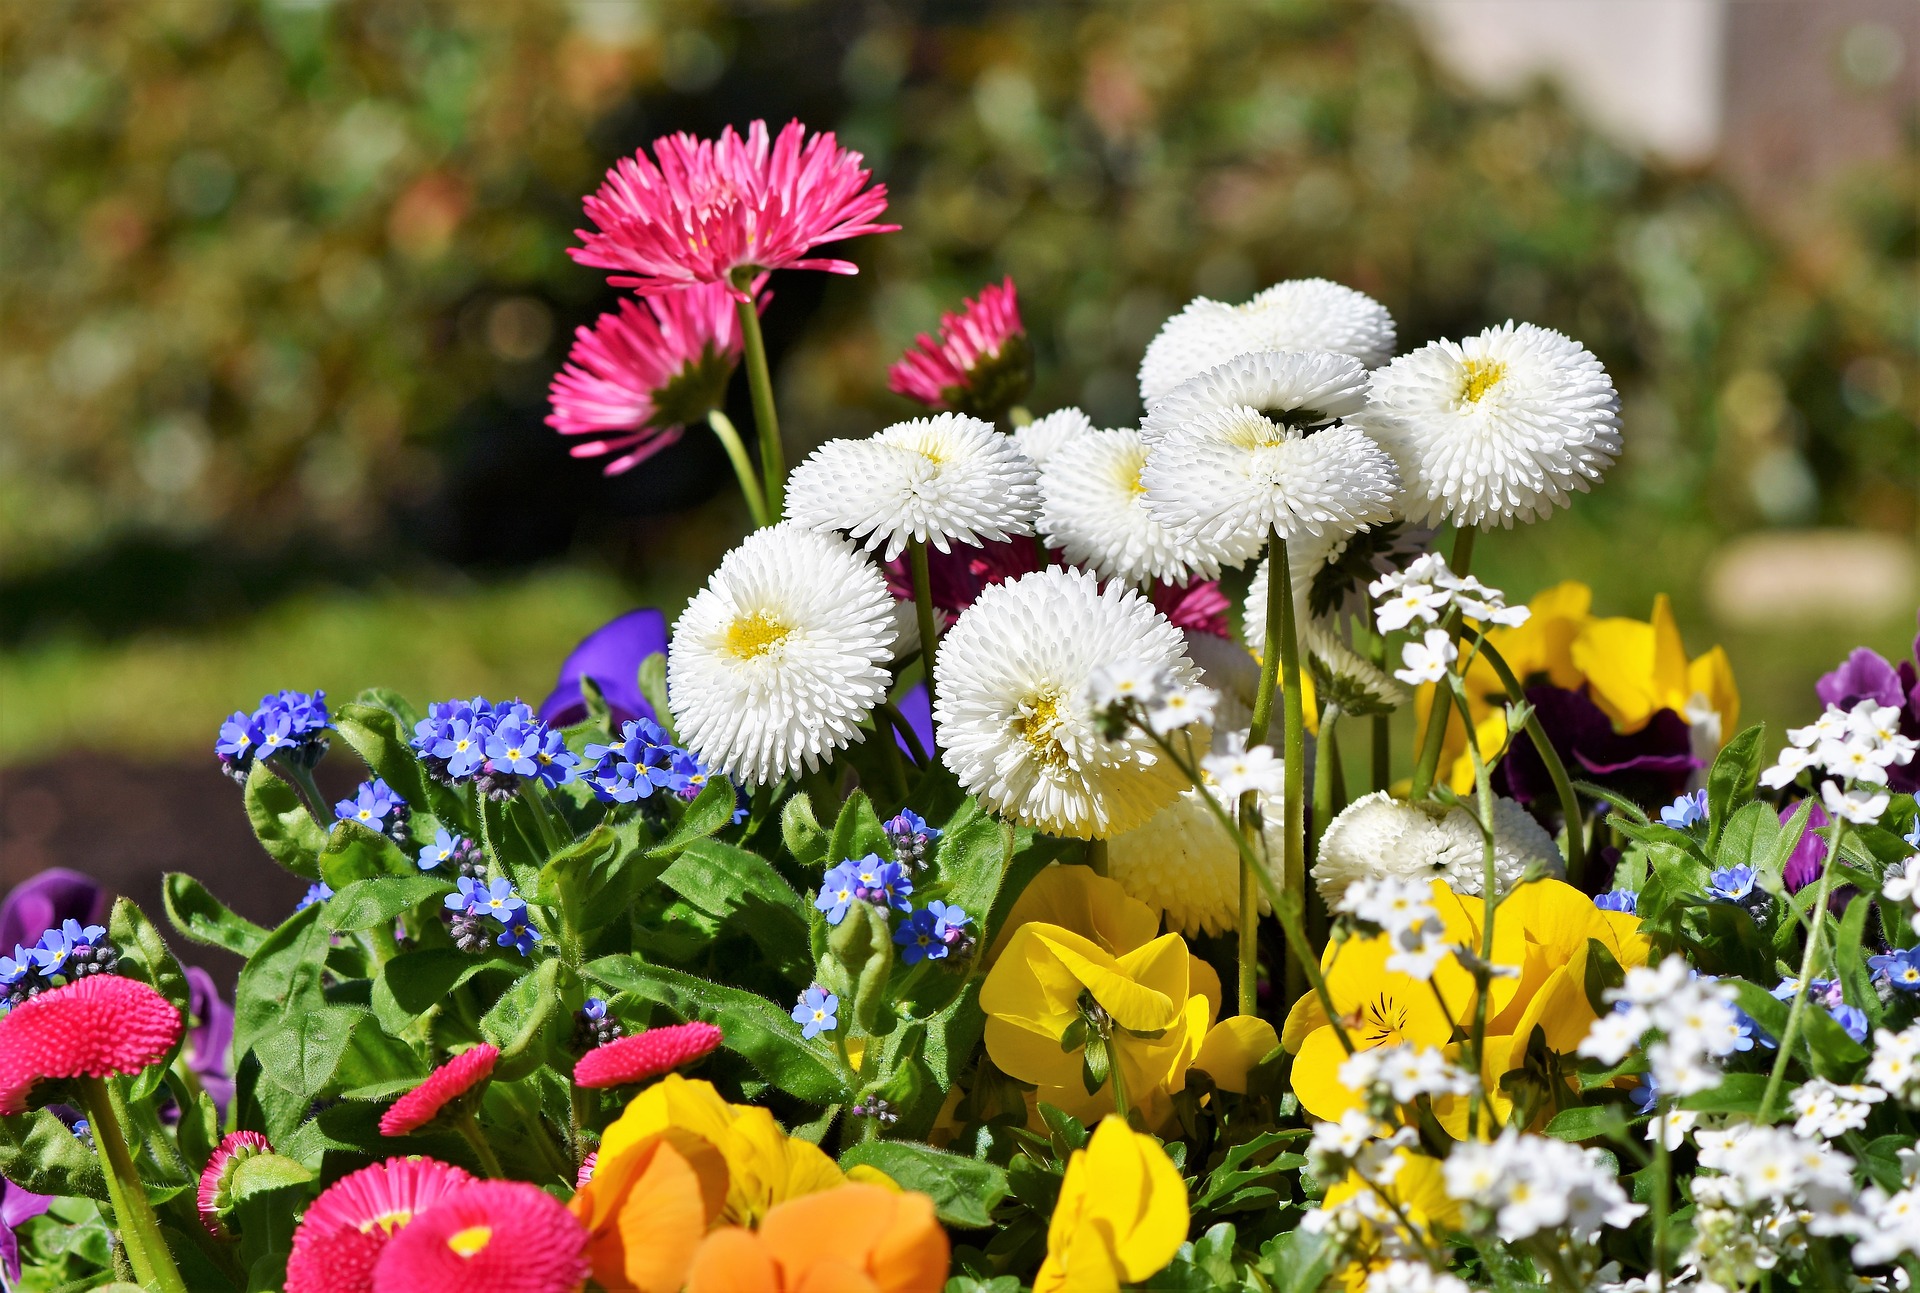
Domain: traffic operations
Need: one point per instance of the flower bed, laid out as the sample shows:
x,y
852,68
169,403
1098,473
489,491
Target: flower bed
x,y
967,894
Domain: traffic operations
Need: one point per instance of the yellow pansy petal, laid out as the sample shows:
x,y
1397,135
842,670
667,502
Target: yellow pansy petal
x,y
1307,1014
1030,1054
868,1174
1030,982
1205,980
1076,899
1617,658
1126,1180
1133,1005
1622,936
1669,674
1232,1047
1316,1077
1711,678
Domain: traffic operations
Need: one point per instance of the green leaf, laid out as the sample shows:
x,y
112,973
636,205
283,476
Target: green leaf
x,y
283,976
1300,1261
282,824
376,1064
742,889
710,811
1768,1012
38,1153
1749,837
203,918
526,1011
965,1191
572,880
1588,1122
366,904
301,1057
652,680
413,983
144,956
1731,780
393,702
802,833
1737,1093
259,1173
859,960
856,832
751,1026
1243,1165
377,735
1603,972
355,853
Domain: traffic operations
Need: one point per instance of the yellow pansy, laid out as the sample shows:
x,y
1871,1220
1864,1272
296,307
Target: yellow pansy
x,y
1231,1049
1092,906
1382,1007
1050,980
764,1164
1121,1216
1418,1188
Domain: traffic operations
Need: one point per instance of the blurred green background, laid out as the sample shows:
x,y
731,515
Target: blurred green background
x,y
284,281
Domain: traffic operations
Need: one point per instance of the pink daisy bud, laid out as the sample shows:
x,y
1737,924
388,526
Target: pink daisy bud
x,y
342,1235
713,211
215,1181
645,1055
459,1075
636,378
100,1025
587,1165
502,1236
982,363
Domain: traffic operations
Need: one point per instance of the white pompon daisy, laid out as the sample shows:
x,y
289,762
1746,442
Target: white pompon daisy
x,y
1093,508
778,659
1016,722
1183,863
1301,389
941,480
1380,836
1299,314
1234,458
1044,437
1497,428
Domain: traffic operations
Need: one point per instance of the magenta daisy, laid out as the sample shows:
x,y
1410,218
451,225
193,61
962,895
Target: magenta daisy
x,y
637,377
342,1235
459,1075
645,1055
501,1236
217,1178
982,363
709,211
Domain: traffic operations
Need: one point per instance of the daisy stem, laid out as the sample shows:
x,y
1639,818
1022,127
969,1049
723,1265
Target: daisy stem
x,y
1797,1011
923,608
1293,854
1662,1165
1489,892
1382,726
729,437
489,1163
139,1228
899,723
1436,734
1323,768
1569,802
773,458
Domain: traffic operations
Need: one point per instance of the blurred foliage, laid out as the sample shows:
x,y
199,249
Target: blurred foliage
x,y
286,267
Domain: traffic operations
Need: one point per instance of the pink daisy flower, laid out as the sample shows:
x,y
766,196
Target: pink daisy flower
x,y
645,1055
343,1233
636,378
502,1236
587,1165
234,1148
709,211
101,1025
443,1086
982,363
1200,606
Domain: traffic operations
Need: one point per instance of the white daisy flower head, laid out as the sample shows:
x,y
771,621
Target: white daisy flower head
x,y
1299,314
1300,388
1379,837
1227,479
1044,437
1093,508
1183,864
942,480
1014,714
779,658
1497,428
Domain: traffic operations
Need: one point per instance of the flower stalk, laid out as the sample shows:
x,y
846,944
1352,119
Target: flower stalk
x,y
923,611
140,1233
750,488
1556,769
773,458
1436,734
1796,1012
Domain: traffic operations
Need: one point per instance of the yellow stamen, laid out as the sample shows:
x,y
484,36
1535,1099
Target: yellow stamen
x,y
1482,376
471,1240
1039,720
752,636
388,1221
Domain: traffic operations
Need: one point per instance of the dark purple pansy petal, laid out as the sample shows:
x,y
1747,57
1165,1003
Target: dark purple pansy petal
x,y
211,1037
1650,766
44,901
611,656
1864,675
917,709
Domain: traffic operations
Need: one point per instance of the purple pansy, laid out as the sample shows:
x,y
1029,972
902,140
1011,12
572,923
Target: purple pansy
x,y
611,656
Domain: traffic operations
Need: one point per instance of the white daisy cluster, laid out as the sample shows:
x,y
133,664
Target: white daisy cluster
x,y
1695,1018
1760,1193
1853,748
1827,1109
1895,1066
1404,911
1300,314
1526,1184
1892,1218
1095,512
1341,675
1043,438
1378,836
1403,1073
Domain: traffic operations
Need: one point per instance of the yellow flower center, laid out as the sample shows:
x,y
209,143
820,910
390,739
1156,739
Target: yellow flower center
x,y
1482,376
751,636
470,1241
1038,722
388,1221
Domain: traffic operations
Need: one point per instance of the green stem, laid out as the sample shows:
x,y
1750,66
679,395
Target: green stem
x,y
1382,728
1662,1169
1279,611
1323,770
750,488
1808,960
923,608
1436,734
542,818
301,778
579,1114
773,458
140,1235
1121,1105
905,729
1247,999
467,1127
1293,853
1490,899
1562,785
